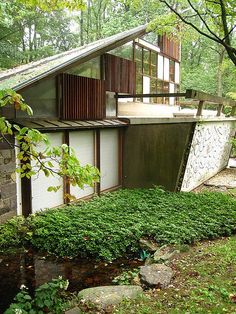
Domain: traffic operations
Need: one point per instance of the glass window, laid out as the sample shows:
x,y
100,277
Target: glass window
x,y
139,84
138,59
172,71
160,67
153,64
110,105
159,90
151,38
146,62
153,89
166,90
89,69
125,51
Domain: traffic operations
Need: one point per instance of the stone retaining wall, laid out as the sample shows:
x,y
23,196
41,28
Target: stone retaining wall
x,y
209,153
8,200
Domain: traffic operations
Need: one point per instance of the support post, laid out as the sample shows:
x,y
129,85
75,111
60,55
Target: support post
x,y
200,107
219,110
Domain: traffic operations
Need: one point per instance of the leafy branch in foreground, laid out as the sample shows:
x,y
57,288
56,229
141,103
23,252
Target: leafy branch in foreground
x,y
35,152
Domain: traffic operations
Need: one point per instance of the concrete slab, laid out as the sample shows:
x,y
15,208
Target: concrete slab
x,y
225,178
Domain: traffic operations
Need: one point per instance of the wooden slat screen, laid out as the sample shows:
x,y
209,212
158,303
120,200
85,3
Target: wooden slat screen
x,y
168,46
82,98
119,74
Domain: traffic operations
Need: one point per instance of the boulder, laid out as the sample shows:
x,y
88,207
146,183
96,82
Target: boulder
x,y
75,310
148,245
156,275
165,253
106,296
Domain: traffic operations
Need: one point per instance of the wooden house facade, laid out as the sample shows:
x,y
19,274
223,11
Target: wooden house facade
x,y
73,99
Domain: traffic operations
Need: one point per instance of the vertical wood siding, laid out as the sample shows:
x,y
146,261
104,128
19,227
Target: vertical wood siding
x,y
119,74
169,47
82,98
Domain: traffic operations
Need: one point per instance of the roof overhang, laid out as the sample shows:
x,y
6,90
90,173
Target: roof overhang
x,y
55,125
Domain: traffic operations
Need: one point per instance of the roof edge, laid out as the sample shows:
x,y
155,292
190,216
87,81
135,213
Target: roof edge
x,y
93,52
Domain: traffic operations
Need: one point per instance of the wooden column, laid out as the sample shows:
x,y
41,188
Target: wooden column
x,y
98,159
200,107
219,110
66,180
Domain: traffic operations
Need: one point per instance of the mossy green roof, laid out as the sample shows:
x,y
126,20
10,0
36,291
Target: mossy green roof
x,y
23,75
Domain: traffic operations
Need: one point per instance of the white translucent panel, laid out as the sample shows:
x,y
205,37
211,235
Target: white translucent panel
x,y
166,69
41,198
146,88
160,67
109,158
172,90
177,74
83,144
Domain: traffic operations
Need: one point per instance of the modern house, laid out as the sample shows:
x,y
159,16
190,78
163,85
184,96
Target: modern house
x,y
108,100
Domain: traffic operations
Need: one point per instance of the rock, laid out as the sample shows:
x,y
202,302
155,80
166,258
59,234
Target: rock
x,y
136,281
156,275
75,310
106,296
165,253
149,261
148,245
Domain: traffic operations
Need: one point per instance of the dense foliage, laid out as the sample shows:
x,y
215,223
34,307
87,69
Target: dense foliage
x,y
111,225
50,28
49,297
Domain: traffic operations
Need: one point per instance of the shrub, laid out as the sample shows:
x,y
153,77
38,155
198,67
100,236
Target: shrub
x,y
49,297
111,225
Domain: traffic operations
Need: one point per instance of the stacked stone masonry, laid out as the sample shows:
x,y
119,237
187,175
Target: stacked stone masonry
x,y
8,200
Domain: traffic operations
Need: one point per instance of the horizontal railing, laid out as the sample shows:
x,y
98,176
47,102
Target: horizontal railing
x,y
201,97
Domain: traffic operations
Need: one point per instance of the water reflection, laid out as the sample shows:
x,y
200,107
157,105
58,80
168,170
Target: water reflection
x,y
32,270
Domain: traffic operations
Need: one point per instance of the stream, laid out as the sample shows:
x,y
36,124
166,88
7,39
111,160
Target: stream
x,y
32,270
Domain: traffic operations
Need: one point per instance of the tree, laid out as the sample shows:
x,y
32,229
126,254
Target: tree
x,y
215,20
57,161
61,161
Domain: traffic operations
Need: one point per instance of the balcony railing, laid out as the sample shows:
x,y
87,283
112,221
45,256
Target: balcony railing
x,y
197,98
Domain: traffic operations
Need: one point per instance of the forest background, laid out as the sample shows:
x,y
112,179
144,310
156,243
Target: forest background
x,y
30,32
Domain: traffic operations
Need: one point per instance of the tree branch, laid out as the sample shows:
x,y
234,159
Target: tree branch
x,y
226,43
232,29
43,166
204,22
189,23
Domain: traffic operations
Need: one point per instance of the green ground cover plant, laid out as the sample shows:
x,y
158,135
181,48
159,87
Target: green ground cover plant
x,y
109,226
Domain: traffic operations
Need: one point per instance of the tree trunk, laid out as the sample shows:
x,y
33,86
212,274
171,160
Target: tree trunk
x,y
219,86
82,28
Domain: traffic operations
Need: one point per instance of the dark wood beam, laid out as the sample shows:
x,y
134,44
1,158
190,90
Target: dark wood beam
x,y
151,95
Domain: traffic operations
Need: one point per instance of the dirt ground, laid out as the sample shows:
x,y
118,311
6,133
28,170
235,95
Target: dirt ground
x,y
224,181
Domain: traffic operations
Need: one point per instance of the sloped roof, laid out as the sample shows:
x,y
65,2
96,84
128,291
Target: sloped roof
x,y
24,75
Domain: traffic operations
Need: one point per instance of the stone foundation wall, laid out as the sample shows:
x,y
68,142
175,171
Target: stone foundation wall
x,y
209,153
8,199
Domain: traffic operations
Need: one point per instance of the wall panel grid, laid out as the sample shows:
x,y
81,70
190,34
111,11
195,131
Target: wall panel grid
x,y
94,147
109,159
83,144
41,198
